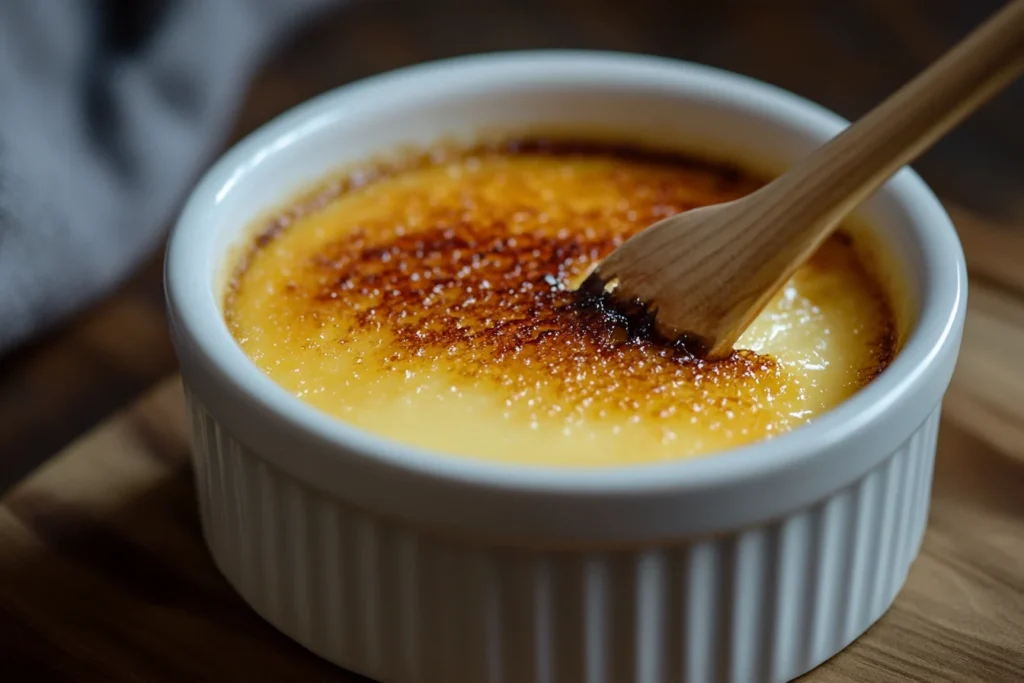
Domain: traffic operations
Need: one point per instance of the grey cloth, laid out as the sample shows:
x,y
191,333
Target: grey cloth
x,y
108,111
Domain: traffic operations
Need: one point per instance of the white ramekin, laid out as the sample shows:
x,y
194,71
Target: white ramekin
x,y
408,566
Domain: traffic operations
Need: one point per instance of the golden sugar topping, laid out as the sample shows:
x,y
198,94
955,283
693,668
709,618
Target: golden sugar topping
x,y
433,301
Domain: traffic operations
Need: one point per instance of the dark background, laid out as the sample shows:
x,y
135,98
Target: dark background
x,y
845,54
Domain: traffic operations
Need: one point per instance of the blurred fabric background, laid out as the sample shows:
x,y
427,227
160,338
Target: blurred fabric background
x,y
845,54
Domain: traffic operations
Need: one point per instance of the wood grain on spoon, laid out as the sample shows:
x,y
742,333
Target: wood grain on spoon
x,y
705,274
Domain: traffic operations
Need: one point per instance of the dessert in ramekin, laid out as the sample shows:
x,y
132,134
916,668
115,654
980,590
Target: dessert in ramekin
x,y
753,563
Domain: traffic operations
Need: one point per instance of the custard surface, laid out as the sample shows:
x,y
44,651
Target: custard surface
x,y
434,305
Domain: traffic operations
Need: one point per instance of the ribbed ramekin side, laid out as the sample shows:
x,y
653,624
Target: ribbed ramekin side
x,y
406,606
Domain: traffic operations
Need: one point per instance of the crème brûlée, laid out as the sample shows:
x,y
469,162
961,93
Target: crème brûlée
x,y
431,301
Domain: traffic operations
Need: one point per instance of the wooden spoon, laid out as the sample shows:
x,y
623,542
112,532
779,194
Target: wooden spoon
x,y
704,275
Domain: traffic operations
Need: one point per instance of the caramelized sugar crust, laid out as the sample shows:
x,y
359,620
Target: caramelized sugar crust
x,y
456,272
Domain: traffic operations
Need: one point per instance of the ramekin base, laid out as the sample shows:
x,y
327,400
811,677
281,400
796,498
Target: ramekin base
x,y
401,604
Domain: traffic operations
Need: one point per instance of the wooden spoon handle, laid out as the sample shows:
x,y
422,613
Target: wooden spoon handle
x,y
821,190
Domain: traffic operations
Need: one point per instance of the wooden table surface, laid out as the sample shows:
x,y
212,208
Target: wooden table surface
x,y
95,595
104,575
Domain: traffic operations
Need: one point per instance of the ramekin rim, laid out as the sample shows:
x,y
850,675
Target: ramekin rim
x,y
197,316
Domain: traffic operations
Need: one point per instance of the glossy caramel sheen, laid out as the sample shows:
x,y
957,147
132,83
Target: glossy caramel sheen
x,y
432,302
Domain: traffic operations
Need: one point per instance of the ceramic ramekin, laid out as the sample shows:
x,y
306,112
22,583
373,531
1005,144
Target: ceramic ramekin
x,y
408,566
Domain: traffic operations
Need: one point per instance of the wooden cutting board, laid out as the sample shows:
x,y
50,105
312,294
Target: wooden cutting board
x,y
104,575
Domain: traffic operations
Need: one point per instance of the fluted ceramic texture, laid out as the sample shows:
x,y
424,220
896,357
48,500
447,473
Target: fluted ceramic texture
x,y
766,603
